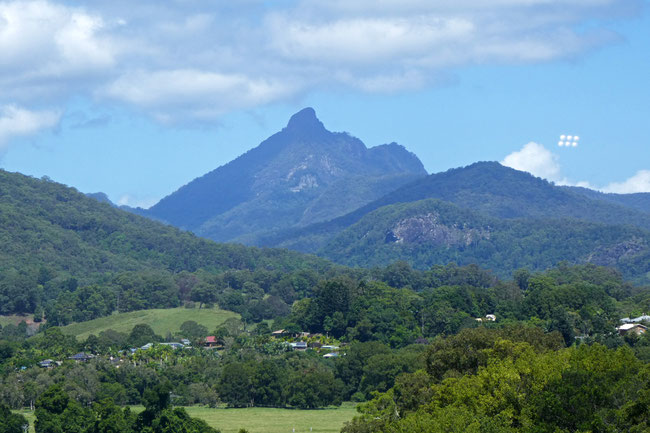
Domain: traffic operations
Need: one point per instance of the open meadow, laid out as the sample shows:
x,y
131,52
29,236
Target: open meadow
x,y
160,320
265,420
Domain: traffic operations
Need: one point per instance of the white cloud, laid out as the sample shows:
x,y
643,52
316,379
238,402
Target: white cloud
x,y
205,94
45,41
535,159
640,182
132,201
366,40
200,59
16,122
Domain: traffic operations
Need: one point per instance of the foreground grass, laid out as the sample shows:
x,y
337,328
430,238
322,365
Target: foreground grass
x,y
161,321
269,420
264,420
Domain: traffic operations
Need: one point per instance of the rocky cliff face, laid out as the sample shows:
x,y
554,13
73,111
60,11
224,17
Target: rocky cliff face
x,y
427,228
611,255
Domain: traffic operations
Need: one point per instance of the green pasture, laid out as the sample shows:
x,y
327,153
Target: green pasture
x,y
161,321
269,420
265,420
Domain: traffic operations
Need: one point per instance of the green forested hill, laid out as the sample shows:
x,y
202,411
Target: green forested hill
x,y
485,187
429,232
55,239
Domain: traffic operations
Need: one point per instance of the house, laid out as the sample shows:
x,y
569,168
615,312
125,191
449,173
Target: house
x,y
298,345
329,347
631,327
487,318
173,345
212,342
186,342
331,355
81,357
644,318
48,363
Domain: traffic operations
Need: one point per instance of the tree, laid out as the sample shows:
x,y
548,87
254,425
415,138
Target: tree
x,y
192,330
203,294
142,334
10,422
56,412
235,385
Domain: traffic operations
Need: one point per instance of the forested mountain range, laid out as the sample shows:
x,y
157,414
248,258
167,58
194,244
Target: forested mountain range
x,y
56,239
522,221
300,175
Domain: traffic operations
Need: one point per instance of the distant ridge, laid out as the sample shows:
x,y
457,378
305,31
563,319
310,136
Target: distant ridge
x,y
485,187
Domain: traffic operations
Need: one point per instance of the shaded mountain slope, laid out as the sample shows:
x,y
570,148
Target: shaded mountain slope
x,y
639,201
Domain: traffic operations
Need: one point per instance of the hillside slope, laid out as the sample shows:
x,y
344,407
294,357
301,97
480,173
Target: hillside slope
x,y
429,232
56,239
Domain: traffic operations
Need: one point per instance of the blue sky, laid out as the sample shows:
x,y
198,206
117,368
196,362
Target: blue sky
x,y
136,99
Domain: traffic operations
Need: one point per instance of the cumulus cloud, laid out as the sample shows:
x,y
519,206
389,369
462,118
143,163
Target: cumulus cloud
x,y
640,182
201,59
535,159
16,122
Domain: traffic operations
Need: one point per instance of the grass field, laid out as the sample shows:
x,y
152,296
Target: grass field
x,y
161,321
14,320
266,420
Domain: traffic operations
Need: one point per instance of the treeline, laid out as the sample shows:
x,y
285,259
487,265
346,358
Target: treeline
x,y
515,380
405,304
56,411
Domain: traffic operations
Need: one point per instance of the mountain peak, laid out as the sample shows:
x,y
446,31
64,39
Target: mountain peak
x,y
305,120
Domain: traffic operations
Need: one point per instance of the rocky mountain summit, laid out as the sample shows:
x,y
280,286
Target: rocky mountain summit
x,y
298,176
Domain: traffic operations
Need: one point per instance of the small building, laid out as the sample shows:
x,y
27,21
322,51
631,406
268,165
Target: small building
x,y
487,318
636,328
640,319
299,345
47,363
186,342
212,342
329,347
81,357
331,355
173,345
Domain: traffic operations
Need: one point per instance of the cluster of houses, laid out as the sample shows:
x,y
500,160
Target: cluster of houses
x,y
78,357
629,325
